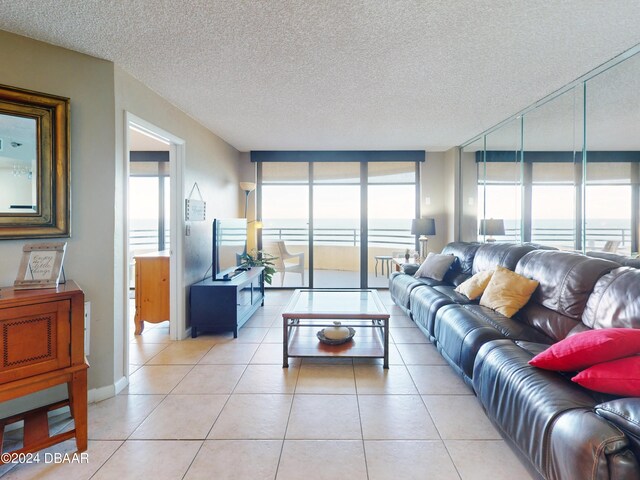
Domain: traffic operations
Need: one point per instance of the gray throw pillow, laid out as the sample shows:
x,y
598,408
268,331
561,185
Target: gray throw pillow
x,y
435,266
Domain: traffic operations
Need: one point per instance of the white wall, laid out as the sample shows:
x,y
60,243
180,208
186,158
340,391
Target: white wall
x,y
88,82
210,162
99,95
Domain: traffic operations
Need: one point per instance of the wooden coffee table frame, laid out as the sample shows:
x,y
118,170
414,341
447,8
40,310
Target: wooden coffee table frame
x,y
299,331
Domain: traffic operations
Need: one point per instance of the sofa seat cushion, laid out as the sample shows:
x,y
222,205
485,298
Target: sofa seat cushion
x,y
425,302
460,331
523,400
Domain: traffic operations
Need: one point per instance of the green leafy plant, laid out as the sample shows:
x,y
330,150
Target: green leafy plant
x,y
258,258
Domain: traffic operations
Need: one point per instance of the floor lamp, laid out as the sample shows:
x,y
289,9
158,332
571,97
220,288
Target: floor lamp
x,y
423,227
247,187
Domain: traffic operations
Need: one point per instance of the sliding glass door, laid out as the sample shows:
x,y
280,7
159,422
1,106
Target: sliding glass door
x,y
336,224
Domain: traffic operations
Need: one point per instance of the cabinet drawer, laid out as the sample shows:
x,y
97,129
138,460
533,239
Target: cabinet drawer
x,y
34,339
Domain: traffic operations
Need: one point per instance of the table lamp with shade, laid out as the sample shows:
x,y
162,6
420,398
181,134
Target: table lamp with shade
x,y
490,227
423,227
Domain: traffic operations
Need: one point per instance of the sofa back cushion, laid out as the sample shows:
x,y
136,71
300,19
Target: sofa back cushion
x,y
566,282
507,255
461,269
615,301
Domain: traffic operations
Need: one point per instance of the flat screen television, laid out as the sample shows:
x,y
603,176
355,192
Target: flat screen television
x,y
229,244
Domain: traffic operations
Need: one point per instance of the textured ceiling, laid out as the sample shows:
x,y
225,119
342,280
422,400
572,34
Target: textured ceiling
x,y
337,74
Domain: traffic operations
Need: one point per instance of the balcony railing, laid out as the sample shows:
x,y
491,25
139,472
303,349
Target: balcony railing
x,y
391,237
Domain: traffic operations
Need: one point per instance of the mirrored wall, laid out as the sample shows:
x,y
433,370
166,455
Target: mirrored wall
x,y
564,173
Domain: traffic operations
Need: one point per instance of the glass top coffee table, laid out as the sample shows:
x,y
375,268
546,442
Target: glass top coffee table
x,y
310,310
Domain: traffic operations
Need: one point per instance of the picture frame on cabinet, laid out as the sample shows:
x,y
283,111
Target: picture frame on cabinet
x,y
41,265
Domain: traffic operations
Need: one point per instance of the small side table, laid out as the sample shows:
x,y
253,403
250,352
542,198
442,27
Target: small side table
x,y
385,260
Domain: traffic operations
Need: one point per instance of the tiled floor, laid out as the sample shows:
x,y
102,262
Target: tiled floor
x,y
219,408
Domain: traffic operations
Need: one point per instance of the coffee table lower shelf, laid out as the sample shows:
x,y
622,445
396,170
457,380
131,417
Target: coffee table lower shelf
x,y
302,341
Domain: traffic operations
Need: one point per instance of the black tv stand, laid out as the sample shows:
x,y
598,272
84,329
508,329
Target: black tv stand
x,y
234,274
225,305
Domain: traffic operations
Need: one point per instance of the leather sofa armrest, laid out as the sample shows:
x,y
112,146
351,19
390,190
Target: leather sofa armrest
x,y
410,268
624,413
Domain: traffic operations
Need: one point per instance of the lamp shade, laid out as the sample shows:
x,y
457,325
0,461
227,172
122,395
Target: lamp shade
x,y
248,186
491,226
423,226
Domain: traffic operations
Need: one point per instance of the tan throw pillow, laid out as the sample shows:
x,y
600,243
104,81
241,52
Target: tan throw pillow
x,y
435,266
507,292
473,287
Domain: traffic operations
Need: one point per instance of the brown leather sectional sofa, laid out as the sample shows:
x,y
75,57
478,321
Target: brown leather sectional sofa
x,y
564,430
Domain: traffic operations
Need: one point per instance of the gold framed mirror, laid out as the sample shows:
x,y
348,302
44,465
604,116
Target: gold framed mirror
x,y
34,164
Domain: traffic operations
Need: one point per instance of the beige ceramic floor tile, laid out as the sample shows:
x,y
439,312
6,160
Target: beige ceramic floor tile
x,y
420,354
133,368
395,310
338,379
251,335
236,460
210,380
230,353
153,335
268,379
215,338
181,353
117,417
47,468
371,379
141,353
486,460
438,380
460,417
253,417
322,460
401,321
408,335
156,379
260,321
409,460
152,459
274,335
269,354
395,417
181,417
322,417
98,452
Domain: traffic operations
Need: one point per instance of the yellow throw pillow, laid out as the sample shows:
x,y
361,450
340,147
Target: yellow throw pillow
x,y
473,287
507,292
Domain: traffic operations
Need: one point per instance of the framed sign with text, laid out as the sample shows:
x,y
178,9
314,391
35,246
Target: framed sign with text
x,y
41,265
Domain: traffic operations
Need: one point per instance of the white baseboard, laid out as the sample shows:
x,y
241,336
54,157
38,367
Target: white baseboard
x,y
102,393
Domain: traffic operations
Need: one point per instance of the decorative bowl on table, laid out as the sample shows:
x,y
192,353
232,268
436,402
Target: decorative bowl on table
x,y
336,335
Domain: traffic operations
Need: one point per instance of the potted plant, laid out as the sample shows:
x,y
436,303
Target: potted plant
x,y
258,258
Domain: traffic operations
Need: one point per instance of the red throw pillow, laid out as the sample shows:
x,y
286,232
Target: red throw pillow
x,y
584,349
619,377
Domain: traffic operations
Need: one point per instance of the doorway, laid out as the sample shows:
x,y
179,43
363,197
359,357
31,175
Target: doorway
x,y
153,252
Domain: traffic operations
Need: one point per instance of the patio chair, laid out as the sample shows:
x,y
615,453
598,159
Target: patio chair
x,y
611,246
284,262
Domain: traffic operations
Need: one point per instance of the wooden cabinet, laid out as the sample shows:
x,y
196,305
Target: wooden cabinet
x,y
225,305
42,345
152,289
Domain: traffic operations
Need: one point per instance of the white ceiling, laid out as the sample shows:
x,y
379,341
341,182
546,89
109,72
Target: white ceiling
x,y
338,74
